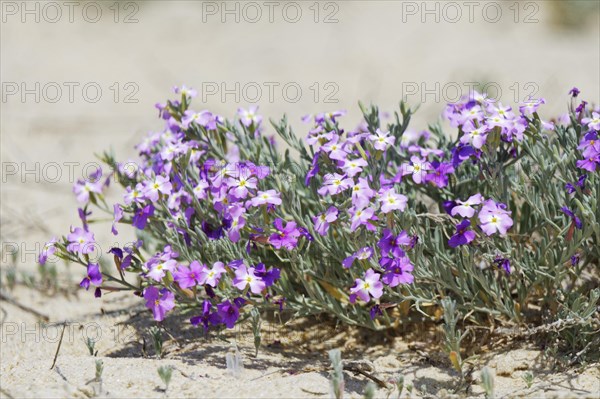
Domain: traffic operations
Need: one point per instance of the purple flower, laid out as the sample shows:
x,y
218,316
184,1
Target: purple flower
x,y
141,217
368,287
322,220
314,169
580,183
448,206
206,317
375,311
286,237
574,92
267,276
503,263
191,276
397,271
461,153
589,164
572,215
80,241
439,175
575,260
229,313
93,277
494,218
389,243
589,145
462,236
159,301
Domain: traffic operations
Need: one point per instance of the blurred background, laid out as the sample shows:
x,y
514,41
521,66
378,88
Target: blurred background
x,y
84,77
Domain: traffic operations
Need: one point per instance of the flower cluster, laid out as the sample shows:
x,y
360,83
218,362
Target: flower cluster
x,y
493,218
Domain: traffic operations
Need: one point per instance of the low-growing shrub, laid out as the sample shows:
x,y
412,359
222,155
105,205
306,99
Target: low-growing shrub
x,y
500,215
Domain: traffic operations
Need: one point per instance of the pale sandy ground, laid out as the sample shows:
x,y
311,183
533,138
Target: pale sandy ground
x,y
291,364
370,54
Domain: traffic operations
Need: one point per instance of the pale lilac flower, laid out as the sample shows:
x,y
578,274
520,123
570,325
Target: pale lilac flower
x,y
134,195
360,217
213,275
157,268
362,193
529,107
323,220
199,189
185,91
161,184
417,168
117,216
240,184
271,197
238,222
249,116
80,241
335,149
593,122
465,208
475,136
362,254
494,218
334,183
48,250
368,287
245,276
84,188
320,118
203,118
352,167
382,140
391,201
